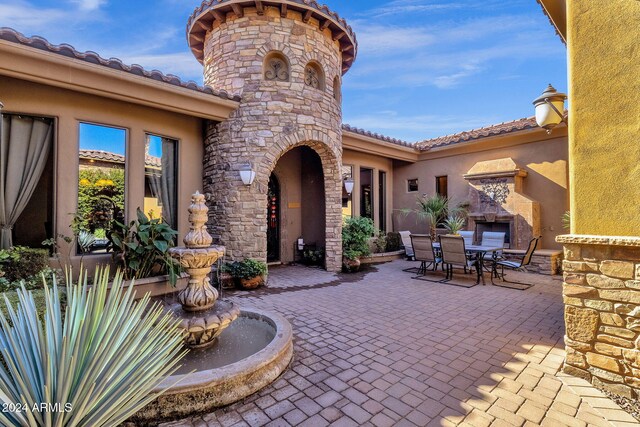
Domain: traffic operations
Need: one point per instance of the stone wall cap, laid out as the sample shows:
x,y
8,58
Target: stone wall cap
x,y
587,239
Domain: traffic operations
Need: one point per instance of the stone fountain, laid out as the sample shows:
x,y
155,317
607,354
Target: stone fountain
x,y
203,316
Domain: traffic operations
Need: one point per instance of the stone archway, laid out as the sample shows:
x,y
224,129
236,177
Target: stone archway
x,y
330,157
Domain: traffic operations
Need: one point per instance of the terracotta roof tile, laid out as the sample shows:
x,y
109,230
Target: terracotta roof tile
x,y
106,156
36,42
363,132
471,135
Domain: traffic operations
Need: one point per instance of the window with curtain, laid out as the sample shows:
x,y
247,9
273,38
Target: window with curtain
x,y
26,180
101,185
161,179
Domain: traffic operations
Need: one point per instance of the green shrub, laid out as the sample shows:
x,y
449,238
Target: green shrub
x,y
247,269
20,263
313,256
142,248
380,241
356,233
394,241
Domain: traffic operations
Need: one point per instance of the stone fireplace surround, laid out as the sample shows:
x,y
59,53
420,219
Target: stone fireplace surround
x,y
496,196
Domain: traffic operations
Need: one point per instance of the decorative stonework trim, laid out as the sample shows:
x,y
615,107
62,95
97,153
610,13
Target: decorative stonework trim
x,y
585,239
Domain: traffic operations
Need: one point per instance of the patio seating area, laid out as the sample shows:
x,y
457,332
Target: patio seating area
x,y
378,348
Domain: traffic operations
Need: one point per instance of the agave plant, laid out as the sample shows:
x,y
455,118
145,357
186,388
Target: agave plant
x,y
434,209
454,223
96,365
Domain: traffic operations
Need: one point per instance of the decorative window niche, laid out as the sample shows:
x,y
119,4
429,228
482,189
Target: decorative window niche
x,y
337,89
314,76
276,67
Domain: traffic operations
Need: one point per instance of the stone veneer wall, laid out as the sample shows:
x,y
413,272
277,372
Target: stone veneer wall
x,y
602,311
274,116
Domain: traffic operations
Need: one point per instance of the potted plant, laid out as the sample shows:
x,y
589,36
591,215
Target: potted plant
x,y
251,273
227,281
313,257
356,233
435,209
453,224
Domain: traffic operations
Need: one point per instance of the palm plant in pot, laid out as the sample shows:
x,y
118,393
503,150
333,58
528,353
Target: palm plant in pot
x,y
250,272
454,223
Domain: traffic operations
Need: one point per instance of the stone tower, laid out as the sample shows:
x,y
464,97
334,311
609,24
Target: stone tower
x,y
285,58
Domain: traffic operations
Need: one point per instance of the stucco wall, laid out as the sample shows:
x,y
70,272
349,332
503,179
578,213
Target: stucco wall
x,y
358,159
70,108
545,161
604,116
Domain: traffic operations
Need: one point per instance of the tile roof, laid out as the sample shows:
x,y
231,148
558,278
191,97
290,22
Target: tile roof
x,y
106,156
475,134
36,42
363,132
546,12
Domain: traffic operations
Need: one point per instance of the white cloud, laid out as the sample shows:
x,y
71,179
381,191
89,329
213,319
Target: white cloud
x,y
181,64
25,17
89,5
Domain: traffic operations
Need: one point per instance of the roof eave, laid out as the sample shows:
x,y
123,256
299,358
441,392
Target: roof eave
x,y
556,11
51,69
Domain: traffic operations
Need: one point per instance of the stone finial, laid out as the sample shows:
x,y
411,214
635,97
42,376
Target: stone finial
x,y
198,236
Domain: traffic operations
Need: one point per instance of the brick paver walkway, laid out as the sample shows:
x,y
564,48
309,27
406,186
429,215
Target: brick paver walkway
x,y
382,349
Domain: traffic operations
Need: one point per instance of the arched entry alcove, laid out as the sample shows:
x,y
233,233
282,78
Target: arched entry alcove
x,y
299,211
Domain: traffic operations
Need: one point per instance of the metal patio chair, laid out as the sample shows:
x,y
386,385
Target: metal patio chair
x,y
454,253
467,236
424,252
514,265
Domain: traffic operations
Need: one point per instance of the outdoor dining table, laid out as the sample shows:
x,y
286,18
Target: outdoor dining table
x,y
481,251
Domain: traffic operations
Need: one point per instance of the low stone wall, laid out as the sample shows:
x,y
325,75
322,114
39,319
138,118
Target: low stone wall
x,y
544,261
602,311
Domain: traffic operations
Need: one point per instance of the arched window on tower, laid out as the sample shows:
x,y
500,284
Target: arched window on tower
x,y
276,67
337,89
314,76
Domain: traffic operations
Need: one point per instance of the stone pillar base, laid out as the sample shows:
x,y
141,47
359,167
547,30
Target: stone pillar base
x,y
601,293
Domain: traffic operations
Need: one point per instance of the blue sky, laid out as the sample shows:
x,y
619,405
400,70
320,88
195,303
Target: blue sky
x,y
425,68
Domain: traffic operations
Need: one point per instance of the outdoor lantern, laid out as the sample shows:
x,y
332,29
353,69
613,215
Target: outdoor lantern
x,y
247,174
348,185
550,108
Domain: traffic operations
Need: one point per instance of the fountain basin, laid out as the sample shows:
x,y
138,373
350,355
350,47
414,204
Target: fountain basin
x,y
207,389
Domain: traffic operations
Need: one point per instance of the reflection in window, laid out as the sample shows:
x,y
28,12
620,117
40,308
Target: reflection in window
x,y
101,185
412,185
382,200
160,179
366,193
347,198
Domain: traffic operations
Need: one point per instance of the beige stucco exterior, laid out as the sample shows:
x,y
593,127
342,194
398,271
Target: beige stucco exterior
x,y
543,157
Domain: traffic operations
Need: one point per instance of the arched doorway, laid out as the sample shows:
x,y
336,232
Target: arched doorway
x,y
273,220
296,206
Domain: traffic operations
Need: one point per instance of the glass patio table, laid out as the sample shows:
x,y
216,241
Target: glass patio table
x,y
481,251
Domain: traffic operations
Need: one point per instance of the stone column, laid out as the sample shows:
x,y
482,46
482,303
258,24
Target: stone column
x,y
601,293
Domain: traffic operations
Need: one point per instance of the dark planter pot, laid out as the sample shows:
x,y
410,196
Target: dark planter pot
x,y
253,283
227,281
351,265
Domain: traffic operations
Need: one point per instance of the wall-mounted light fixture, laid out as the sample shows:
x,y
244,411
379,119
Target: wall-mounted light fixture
x,y
550,108
300,244
349,183
247,174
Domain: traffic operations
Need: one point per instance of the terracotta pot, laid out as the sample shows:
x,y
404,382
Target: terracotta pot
x,y
351,265
227,281
253,283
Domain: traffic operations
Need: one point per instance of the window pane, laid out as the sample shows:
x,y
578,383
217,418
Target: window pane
x,y
161,183
101,194
347,198
412,185
441,186
366,193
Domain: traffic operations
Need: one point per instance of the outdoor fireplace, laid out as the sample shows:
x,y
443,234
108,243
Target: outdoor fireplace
x,y
498,203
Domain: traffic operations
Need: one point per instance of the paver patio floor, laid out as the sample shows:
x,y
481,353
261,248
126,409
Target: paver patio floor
x,y
379,348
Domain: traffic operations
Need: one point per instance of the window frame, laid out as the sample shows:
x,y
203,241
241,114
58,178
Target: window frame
x,y
438,185
409,190
178,180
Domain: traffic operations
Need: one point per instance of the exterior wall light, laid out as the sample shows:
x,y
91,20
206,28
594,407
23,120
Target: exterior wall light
x,y
550,108
349,183
247,174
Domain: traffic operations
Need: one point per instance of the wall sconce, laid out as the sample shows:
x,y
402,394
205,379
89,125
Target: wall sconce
x,y
247,174
349,183
550,108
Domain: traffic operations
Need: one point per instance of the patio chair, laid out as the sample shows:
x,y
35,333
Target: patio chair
x,y
467,236
495,239
406,242
424,252
516,266
454,253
